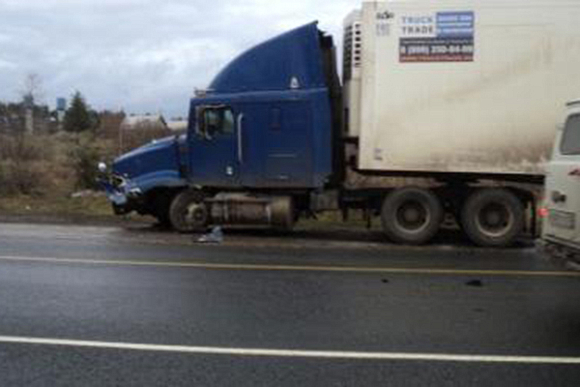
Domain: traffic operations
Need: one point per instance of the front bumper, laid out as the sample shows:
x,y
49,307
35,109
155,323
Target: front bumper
x,y
123,194
560,254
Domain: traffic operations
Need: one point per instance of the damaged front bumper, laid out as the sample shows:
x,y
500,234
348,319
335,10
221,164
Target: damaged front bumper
x,y
122,192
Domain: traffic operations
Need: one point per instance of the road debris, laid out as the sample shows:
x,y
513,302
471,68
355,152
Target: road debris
x,y
215,236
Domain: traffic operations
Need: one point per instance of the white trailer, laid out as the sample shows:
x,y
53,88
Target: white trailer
x,y
460,86
465,93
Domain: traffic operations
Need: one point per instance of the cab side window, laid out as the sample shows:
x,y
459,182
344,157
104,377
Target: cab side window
x,y
570,144
215,121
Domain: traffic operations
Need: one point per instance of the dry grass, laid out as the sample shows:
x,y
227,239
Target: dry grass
x,y
39,173
55,206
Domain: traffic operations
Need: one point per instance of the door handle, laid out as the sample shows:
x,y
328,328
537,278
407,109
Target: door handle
x,y
240,138
558,197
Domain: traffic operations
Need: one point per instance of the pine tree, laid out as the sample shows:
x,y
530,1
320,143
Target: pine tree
x,y
78,117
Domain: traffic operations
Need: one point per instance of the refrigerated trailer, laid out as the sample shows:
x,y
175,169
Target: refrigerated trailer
x,y
445,109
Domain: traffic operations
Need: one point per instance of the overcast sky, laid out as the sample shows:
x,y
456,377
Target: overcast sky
x,y
140,55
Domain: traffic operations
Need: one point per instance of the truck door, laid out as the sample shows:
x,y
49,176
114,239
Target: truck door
x,y
276,144
213,144
563,184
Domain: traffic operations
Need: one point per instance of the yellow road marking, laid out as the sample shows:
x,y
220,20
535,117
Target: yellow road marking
x,y
303,268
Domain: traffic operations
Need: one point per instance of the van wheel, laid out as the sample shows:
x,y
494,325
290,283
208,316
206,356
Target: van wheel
x,y
411,215
492,217
188,212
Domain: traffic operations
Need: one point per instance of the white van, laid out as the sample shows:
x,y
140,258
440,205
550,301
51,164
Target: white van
x,y
561,227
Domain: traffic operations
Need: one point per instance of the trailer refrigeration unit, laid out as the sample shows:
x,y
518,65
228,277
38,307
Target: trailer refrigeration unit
x,y
445,108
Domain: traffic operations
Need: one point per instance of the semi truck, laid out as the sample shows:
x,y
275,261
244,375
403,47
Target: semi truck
x,y
444,111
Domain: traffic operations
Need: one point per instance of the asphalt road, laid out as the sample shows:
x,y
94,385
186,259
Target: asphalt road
x,y
89,306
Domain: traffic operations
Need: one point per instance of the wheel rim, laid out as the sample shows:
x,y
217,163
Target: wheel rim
x,y
413,216
195,215
494,219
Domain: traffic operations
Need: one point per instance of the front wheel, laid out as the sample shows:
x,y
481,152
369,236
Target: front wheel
x,y
493,217
188,212
411,215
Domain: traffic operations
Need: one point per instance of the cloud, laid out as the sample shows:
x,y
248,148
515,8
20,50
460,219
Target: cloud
x,y
140,55
4,64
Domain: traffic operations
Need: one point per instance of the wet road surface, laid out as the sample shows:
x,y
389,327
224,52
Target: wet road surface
x,y
112,306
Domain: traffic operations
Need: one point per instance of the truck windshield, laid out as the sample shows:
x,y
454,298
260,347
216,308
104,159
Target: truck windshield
x,y
571,139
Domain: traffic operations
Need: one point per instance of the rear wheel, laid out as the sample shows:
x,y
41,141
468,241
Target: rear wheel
x,y
188,212
493,217
411,215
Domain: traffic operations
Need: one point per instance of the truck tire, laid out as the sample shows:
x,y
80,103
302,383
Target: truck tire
x,y
160,204
411,216
492,217
188,212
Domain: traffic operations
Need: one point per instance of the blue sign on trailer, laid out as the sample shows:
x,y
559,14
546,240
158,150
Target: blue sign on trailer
x,y
442,37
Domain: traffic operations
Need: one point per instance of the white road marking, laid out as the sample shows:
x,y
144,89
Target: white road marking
x,y
291,353
260,267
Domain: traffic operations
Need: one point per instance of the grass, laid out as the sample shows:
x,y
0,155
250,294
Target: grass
x,y
57,206
62,209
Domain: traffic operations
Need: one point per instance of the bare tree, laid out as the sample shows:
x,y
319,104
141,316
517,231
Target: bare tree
x,y
32,89
31,94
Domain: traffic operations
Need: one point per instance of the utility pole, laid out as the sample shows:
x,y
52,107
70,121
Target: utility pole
x,y
29,114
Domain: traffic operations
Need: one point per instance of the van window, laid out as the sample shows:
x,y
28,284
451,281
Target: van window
x,y
571,139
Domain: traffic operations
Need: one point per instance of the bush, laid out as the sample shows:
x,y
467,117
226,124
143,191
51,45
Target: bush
x,y
85,158
23,147
23,165
51,164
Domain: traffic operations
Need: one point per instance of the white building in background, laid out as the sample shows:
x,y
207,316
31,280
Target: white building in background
x,y
177,125
147,121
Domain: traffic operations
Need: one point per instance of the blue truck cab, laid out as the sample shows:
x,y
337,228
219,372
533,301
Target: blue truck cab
x,y
260,140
